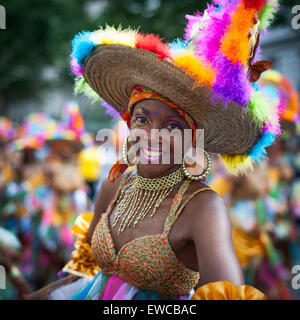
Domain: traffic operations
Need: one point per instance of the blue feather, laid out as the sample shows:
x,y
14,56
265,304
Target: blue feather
x,y
259,152
82,46
178,45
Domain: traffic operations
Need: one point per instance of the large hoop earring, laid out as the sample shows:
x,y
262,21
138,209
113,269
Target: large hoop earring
x,y
125,154
205,172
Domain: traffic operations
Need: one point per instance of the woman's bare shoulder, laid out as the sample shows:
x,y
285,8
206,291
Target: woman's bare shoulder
x,y
105,195
198,191
206,207
209,227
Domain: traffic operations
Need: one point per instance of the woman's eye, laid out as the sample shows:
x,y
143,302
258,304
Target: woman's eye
x,y
141,119
173,126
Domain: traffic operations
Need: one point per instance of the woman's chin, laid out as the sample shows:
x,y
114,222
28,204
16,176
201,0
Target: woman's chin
x,y
154,169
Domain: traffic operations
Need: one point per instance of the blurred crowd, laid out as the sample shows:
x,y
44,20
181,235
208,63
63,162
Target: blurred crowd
x,y
264,204
48,176
51,170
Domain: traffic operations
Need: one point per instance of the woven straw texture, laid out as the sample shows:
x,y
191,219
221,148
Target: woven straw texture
x,y
114,70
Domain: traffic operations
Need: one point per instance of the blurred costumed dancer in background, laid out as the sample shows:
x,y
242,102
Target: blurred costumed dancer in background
x,y
43,191
10,205
265,234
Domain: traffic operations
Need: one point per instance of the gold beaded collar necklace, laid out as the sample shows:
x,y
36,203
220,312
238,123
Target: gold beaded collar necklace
x,y
142,195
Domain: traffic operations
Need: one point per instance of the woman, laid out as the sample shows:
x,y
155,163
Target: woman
x,y
163,231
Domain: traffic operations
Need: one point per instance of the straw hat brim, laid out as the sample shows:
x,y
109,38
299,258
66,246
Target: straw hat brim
x,y
114,70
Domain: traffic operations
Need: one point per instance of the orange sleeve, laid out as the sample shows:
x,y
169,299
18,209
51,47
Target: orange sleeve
x,y
83,264
225,290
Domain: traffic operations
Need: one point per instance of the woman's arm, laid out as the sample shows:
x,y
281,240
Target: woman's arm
x,y
104,197
210,229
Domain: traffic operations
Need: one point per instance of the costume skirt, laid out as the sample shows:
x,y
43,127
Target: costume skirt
x,y
108,287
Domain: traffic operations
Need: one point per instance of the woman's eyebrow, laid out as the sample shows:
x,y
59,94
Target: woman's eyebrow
x,y
173,118
147,112
177,119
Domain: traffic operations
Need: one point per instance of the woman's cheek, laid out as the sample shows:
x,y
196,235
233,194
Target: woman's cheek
x,y
186,143
178,148
137,125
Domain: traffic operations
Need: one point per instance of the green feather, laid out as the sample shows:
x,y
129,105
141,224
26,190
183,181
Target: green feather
x,y
81,86
268,13
259,108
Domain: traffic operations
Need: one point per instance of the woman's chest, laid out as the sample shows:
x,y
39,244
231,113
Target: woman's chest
x,y
145,262
148,226
150,238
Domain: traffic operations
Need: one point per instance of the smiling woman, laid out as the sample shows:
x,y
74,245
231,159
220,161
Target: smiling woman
x,y
159,232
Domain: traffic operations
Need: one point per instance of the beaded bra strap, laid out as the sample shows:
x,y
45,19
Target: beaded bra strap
x,y
175,204
174,213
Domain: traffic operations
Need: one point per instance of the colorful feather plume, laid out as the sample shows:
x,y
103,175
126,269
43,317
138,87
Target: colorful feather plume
x,y
195,66
112,35
110,111
81,86
256,4
152,42
268,13
82,46
236,164
235,43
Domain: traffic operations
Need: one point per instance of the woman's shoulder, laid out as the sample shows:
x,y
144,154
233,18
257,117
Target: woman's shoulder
x,y
198,191
109,189
105,195
204,205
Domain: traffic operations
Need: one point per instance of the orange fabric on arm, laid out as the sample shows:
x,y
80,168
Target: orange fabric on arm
x,y
225,290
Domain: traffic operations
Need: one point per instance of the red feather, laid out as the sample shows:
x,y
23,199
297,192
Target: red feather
x,y
259,4
152,42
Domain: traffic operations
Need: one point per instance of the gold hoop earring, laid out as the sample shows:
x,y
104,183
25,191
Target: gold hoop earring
x,y
125,154
205,172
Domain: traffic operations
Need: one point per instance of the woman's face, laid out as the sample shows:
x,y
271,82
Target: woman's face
x,y
157,150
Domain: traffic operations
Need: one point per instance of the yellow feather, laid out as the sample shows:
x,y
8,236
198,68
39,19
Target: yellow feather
x,y
195,66
111,35
236,164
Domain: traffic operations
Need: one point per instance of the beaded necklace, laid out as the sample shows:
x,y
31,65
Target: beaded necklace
x,y
142,195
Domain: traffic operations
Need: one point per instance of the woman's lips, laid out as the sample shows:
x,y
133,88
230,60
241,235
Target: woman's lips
x,y
150,154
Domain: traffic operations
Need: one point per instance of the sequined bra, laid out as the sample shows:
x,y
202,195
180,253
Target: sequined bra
x,y
146,262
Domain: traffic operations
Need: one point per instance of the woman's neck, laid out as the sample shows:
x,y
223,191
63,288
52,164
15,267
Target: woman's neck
x,y
148,173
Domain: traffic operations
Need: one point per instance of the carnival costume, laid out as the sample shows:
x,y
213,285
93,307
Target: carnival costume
x,y
207,78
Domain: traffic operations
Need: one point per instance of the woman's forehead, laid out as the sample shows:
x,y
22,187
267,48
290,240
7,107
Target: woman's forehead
x,y
152,107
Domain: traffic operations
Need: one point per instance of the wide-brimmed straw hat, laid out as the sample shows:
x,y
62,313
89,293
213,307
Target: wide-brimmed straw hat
x,y
209,75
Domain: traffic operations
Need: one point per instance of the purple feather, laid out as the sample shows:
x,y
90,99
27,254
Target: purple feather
x,y
76,68
232,84
208,44
110,111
